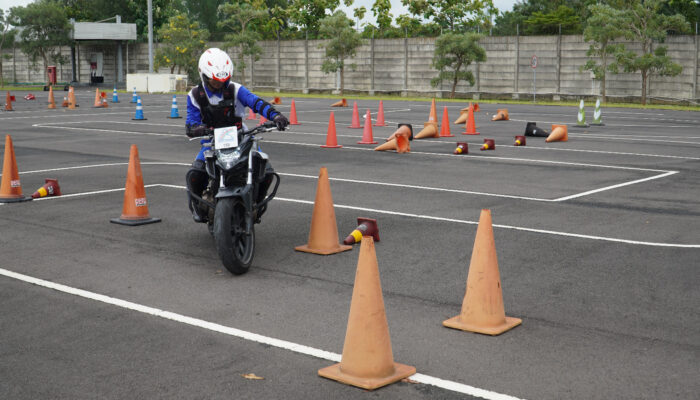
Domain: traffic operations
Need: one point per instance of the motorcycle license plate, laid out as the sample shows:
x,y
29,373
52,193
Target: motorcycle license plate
x,y
226,138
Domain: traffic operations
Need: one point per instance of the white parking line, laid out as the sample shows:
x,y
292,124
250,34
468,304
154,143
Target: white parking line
x,y
254,337
422,216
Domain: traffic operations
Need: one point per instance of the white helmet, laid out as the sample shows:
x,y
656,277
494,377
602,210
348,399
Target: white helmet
x,y
215,64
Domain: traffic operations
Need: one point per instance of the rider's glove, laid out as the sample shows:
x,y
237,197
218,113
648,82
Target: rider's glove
x,y
281,121
198,131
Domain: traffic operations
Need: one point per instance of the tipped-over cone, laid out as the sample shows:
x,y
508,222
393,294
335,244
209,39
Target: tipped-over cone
x,y
531,129
463,114
50,188
501,115
519,141
399,140
365,227
368,360
405,130
341,103
323,235
135,210
489,144
559,134
430,130
482,307
276,100
462,148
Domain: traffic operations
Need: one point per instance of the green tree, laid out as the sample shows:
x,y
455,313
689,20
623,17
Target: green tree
x,y
182,42
7,35
239,19
549,23
454,53
507,23
380,10
44,28
690,9
307,14
454,15
643,22
206,13
359,13
343,43
602,28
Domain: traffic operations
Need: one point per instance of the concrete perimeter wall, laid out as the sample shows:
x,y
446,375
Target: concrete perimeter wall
x,y
404,66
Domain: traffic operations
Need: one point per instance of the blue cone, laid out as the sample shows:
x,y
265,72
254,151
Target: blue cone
x,y
115,98
173,110
139,110
134,97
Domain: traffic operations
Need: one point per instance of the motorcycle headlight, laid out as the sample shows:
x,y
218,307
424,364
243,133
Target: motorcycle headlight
x,y
227,160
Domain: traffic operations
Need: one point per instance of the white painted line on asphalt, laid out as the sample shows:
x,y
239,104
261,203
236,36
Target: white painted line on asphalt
x,y
180,135
572,124
250,336
574,196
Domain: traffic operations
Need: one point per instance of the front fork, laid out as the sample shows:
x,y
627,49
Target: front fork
x,y
245,193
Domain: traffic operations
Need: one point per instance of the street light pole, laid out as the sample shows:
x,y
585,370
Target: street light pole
x,y
150,36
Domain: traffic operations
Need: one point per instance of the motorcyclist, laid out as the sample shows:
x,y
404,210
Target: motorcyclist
x,y
218,102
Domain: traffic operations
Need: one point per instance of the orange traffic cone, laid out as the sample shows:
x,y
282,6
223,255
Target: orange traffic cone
x,y
501,115
355,117
71,99
262,120
98,99
8,102
293,115
482,307
463,114
433,113
519,140
365,227
50,188
445,126
471,125
341,103
52,102
135,210
367,137
104,101
10,188
331,139
323,236
380,115
65,102
476,107
405,130
559,134
367,360
399,140
276,100
489,144
251,114
430,130
462,148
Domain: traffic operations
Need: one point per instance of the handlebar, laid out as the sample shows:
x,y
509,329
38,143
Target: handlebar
x,y
266,127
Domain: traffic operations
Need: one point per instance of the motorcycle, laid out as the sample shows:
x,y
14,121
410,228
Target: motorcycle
x,y
235,197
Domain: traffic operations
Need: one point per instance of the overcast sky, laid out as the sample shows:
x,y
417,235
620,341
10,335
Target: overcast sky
x,y
396,9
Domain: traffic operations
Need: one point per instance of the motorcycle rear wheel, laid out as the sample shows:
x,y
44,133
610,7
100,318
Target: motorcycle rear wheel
x,y
235,248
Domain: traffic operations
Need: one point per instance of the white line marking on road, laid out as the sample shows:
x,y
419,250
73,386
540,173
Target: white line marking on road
x,y
574,196
250,336
572,124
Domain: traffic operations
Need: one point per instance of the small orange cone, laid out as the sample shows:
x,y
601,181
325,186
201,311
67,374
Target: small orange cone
x,y
65,102
262,120
471,125
71,99
380,115
293,115
476,107
331,139
251,114
98,99
367,137
276,100
399,140
8,102
559,134
367,361
463,114
10,188
52,101
50,188
135,210
501,115
323,235
482,307
445,126
433,113
355,117
365,227
519,141
341,103
405,130
430,130
489,144
462,148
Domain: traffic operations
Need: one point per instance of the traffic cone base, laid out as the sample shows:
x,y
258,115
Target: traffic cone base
x,y
365,227
501,115
531,129
340,103
482,308
559,134
519,141
367,359
489,144
135,209
462,148
50,188
429,130
323,235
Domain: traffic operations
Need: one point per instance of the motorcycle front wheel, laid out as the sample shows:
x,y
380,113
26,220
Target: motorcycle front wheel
x,y
235,248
